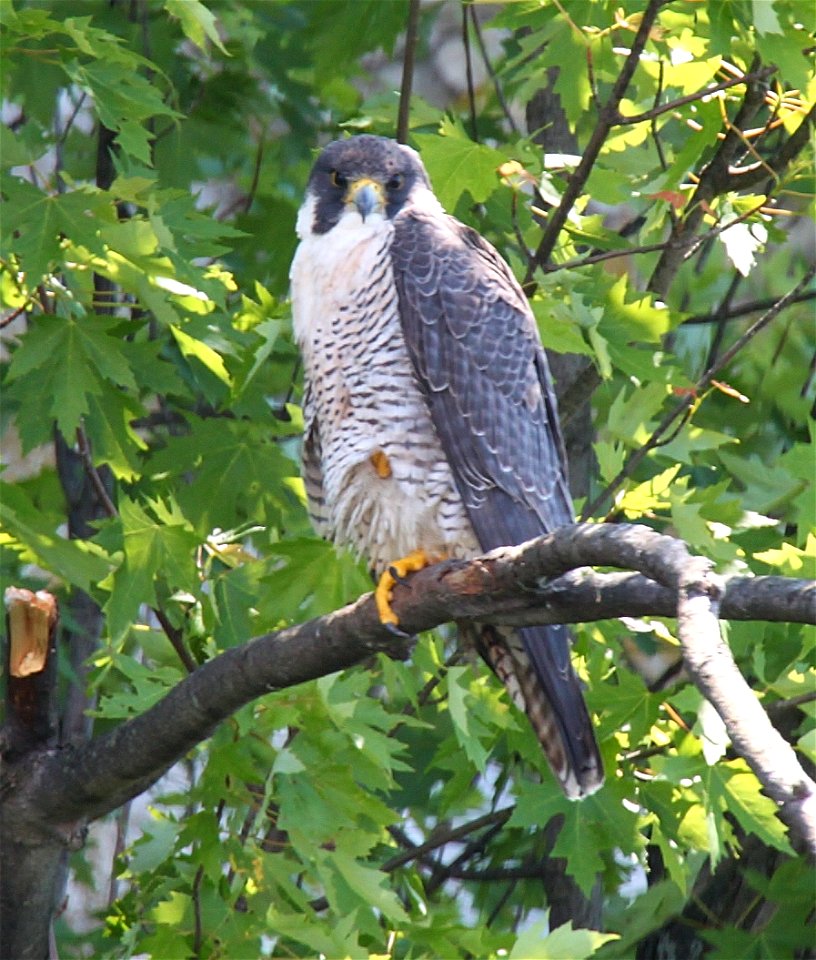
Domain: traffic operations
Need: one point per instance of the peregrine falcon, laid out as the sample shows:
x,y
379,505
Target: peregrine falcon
x,y
431,427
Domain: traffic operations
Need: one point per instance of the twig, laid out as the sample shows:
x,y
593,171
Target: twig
x,y
634,460
439,838
122,820
653,126
763,74
84,448
174,635
16,313
719,331
606,120
710,184
256,174
743,309
176,638
454,869
198,927
776,164
411,32
508,114
474,127
70,121
600,257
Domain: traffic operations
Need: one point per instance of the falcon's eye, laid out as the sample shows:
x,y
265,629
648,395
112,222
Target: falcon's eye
x,y
396,182
338,180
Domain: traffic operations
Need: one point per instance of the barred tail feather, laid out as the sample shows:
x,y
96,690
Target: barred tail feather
x,y
533,663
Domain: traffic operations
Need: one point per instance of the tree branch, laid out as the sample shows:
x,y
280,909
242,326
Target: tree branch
x,y
96,777
404,110
607,118
681,409
713,181
743,309
776,164
764,73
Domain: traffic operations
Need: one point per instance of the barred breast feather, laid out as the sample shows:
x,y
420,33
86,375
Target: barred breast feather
x,y
361,398
430,418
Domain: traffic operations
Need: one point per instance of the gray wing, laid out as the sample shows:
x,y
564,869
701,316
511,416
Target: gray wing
x,y
480,363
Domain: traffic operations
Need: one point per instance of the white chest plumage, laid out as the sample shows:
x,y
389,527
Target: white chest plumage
x,y
362,401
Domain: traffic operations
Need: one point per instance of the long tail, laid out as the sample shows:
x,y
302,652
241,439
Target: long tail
x,y
534,665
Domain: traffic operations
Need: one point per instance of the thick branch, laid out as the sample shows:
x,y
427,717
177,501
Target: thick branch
x,y
99,776
584,596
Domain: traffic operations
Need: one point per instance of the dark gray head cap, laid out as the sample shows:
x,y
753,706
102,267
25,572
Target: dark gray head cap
x,y
369,156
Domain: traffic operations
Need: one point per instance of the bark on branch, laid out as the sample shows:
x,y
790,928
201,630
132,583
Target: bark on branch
x,y
59,786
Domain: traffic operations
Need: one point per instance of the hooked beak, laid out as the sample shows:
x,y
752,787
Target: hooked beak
x,y
367,196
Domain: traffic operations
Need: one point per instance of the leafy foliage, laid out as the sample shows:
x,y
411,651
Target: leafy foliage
x,y
333,818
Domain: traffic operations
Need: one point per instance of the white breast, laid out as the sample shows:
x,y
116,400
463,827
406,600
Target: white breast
x,y
364,399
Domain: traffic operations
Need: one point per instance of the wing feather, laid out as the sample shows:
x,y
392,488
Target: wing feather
x,y
480,363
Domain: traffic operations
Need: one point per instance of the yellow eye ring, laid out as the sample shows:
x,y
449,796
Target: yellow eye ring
x,y
338,180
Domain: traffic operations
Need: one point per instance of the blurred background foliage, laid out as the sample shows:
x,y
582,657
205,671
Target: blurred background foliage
x,y
154,154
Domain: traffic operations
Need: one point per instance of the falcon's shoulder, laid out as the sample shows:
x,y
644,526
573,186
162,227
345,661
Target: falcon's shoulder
x,y
480,363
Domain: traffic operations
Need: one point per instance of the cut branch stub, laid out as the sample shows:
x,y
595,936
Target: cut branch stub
x,y
30,670
31,621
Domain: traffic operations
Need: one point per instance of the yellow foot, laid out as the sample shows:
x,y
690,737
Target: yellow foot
x,y
417,560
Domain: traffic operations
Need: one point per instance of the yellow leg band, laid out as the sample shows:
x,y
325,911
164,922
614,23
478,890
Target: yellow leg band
x,y
417,560
379,461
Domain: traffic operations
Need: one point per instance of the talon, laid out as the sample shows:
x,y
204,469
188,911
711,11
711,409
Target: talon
x,y
394,574
397,576
396,631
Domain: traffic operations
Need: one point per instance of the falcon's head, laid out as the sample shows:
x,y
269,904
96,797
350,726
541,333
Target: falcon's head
x,y
360,177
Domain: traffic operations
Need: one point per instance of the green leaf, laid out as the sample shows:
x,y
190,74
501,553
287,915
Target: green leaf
x,y
456,164
735,788
196,21
315,580
42,222
155,845
631,706
158,544
233,471
563,943
468,728
125,100
72,360
199,350
646,913
370,885
578,842
765,17
79,562
113,440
